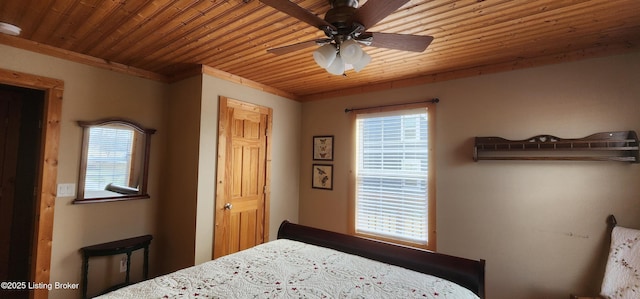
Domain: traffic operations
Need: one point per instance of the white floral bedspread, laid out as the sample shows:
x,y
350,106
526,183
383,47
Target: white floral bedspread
x,y
622,274
290,269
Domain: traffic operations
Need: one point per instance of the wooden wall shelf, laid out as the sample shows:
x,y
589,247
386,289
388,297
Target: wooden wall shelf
x,y
619,146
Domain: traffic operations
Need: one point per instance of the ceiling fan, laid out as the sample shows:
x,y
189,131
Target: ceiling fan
x,y
345,26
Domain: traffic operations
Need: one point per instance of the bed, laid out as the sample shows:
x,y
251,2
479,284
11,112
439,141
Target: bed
x,y
306,262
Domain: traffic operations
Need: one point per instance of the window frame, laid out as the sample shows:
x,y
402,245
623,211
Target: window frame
x,y
140,157
431,181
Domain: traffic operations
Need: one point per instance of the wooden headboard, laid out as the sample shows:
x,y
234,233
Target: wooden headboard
x,y
465,272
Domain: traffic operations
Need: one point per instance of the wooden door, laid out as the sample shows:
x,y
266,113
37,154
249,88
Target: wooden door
x,y
242,197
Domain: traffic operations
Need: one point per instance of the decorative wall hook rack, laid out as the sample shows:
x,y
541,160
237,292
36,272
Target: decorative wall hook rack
x,y
619,146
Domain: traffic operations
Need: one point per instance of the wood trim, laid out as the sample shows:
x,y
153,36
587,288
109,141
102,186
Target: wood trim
x,y
222,172
246,82
29,81
267,179
440,76
353,164
431,173
48,170
122,68
80,58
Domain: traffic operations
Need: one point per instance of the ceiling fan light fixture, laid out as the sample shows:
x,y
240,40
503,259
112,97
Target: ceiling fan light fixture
x,y
350,51
9,29
325,55
345,24
337,66
360,64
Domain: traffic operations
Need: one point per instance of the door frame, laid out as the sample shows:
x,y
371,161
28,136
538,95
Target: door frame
x,y
47,170
221,184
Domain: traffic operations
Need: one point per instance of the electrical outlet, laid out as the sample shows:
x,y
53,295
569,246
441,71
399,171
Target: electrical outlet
x,y
66,190
123,264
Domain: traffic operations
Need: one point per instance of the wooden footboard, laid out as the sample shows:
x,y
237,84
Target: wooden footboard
x,y
465,272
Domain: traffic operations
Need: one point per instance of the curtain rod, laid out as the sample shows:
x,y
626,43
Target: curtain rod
x,y
434,101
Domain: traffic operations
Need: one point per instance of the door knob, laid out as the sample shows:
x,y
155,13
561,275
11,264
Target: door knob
x,y
228,206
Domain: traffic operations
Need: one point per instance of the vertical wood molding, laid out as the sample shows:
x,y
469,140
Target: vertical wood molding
x,y
267,180
46,200
47,170
431,201
222,188
353,166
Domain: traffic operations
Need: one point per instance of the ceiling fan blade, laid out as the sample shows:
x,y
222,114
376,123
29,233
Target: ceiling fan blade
x,y
295,47
373,11
404,42
297,12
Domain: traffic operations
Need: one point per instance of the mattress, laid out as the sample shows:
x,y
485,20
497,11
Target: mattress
x,y
291,269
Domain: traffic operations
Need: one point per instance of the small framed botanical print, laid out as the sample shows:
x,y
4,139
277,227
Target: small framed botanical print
x,y
322,176
323,148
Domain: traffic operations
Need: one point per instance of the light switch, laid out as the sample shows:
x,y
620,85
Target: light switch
x,y
66,190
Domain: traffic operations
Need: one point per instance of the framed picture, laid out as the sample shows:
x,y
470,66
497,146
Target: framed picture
x,y
322,176
323,148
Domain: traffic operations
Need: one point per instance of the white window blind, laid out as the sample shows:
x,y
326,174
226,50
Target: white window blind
x,y
109,157
391,178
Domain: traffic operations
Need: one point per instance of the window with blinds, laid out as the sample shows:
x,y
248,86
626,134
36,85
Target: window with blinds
x,y
392,188
109,157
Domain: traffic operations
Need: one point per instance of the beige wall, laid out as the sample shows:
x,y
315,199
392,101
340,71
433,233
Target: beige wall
x,y
539,225
89,94
178,211
188,213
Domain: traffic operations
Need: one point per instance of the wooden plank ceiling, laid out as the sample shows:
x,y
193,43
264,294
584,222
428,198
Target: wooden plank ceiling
x,y
169,38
